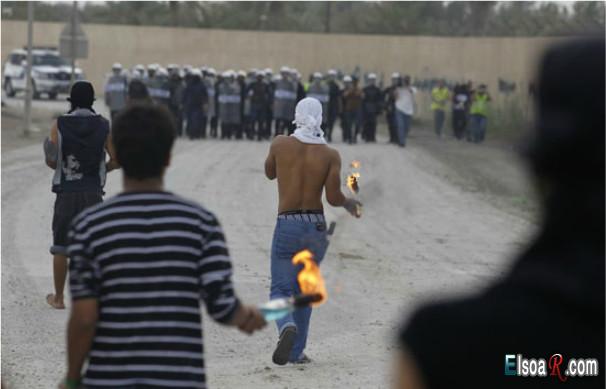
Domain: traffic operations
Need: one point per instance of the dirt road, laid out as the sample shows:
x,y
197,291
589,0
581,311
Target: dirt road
x,y
421,235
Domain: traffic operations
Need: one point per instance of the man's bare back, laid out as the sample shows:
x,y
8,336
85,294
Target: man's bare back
x,y
303,172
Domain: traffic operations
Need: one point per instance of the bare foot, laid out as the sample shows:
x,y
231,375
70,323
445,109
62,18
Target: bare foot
x,y
53,302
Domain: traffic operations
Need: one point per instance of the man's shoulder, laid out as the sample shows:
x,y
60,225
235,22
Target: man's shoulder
x,y
280,140
160,199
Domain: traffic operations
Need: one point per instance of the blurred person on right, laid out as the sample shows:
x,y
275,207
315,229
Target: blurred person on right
x,y
550,305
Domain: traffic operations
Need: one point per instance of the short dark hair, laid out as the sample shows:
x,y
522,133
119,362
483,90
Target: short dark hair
x,y
143,136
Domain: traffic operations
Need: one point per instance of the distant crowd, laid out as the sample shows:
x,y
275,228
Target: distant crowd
x,y
259,104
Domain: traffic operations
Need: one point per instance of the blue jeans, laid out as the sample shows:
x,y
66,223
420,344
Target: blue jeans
x,y
438,119
290,237
403,122
478,128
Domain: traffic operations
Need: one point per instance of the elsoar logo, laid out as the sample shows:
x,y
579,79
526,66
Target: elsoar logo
x,y
517,365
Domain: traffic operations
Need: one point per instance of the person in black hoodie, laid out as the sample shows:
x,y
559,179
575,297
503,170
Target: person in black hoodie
x,y
76,151
551,303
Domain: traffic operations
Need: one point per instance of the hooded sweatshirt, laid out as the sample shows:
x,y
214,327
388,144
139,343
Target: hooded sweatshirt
x,y
81,152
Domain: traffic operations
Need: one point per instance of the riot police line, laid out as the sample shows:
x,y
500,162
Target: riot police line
x,y
257,104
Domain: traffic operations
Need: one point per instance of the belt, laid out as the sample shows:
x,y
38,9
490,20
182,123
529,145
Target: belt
x,y
312,216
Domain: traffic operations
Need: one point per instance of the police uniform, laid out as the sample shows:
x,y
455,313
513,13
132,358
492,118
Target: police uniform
x,y
116,90
285,99
230,111
176,88
371,107
320,91
159,90
194,99
211,112
334,104
259,95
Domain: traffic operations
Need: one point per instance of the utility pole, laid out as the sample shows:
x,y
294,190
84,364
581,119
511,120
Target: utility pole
x,y
28,70
327,23
74,12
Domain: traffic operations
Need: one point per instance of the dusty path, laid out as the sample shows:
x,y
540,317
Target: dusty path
x,y
420,235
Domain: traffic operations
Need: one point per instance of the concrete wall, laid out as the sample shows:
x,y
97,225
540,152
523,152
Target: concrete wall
x,y
479,59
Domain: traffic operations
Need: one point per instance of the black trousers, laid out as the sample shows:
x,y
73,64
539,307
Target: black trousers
x,y
282,125
178,118
330,123
370,127
112,114
238,130
269,121
459,123
226,130
392,126
214,121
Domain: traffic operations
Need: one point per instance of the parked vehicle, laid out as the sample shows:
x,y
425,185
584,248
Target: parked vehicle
x,y
50,73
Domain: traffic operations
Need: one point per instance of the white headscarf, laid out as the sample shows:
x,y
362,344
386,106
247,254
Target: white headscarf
x,y
308,119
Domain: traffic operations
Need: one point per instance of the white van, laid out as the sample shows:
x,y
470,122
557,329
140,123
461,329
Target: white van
x,y
50,73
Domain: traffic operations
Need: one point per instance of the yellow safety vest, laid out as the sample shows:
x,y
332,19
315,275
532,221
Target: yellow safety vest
x,y
479,105
439,97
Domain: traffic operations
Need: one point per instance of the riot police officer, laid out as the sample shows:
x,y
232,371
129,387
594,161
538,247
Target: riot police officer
x,y
371,107
116,90
230,102
259,95
176,87
285,99
319,91
211,112
151,73
270,107
334,103
159,88
194,101
138,72
244,106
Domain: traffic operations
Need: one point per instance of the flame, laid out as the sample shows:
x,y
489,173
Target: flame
x,y
355,164
352,182
309,278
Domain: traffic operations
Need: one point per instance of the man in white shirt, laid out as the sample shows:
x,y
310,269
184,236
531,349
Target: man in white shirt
x,y
405,107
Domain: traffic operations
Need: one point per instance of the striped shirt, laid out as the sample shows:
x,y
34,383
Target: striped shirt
x,y
148,259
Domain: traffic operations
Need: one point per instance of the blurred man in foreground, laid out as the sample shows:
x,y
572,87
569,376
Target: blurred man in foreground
x,y
141,263
551,304
305,167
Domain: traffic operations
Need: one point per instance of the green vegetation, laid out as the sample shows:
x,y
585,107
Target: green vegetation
x,y
400,18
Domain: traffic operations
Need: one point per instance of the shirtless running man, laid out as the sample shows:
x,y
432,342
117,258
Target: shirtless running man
x,y
304,166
